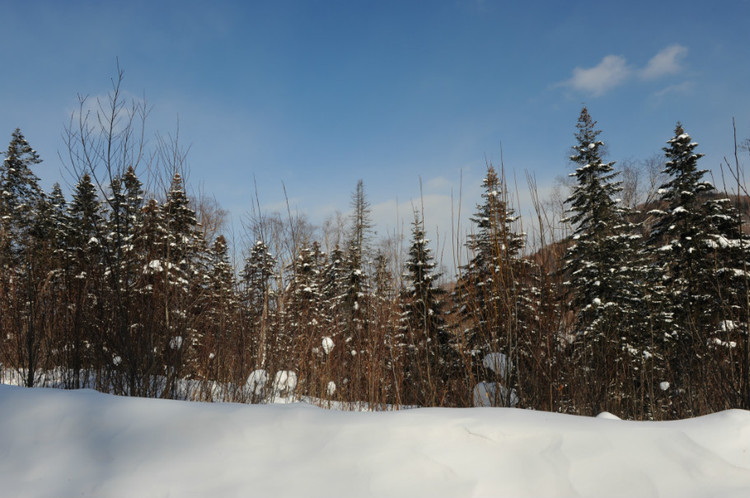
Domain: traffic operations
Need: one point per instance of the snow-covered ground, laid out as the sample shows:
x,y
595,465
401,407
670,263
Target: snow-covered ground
x,y
83,443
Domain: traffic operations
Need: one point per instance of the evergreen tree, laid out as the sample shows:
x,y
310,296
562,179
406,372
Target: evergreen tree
x,y
257,304
428,355
20,196
22,244
55,227
596,218
141,342
85,287
334,287
306,329
219,323
185,266
129,251
256,278
600,266
385,333
58,222
489,291
357,254
356,305
700,259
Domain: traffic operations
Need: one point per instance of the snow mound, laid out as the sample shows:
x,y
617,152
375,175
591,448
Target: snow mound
x,y
83,443
608,416
285,382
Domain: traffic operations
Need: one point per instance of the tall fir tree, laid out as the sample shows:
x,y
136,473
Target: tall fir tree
x,y
185,268
599,267
22,244
219,319
428,355
357,256
700,260
86,288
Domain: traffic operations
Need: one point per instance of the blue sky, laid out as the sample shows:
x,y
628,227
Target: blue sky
x,y
320,94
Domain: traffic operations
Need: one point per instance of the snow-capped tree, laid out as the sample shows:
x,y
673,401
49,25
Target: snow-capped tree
x,y
700,260
184,262
299,343
22,256
257,304
428,354
356,292
215,346
86,289
20,196
596,219
490,293
602,274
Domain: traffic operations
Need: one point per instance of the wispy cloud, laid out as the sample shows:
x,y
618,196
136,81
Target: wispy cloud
x,y
614,70
683,88
667,61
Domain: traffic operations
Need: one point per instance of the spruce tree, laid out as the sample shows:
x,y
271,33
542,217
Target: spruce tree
x,y
599,268
20,196
22,245
185,256
219,324
490,291
428,355
302,340
700,258
358,251
85,244
257,305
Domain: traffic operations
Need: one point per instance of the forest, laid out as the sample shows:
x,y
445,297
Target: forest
x,y
130,287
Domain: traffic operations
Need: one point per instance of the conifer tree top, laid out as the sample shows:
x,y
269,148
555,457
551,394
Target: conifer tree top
x,y
593,205
682,167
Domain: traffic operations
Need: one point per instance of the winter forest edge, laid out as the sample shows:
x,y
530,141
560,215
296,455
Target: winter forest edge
x,y
639,309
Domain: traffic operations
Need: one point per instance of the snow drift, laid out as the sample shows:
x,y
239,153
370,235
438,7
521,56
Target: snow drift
x,y
84,443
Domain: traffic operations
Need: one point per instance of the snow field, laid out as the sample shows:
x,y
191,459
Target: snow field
x,y
84,443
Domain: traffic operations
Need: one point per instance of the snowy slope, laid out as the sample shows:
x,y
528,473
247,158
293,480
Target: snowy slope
x,y
83,443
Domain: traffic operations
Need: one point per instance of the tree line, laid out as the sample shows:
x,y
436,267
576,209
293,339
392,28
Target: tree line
x,y
640,311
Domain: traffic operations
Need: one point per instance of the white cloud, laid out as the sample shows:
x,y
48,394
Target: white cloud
x,y
613,70
684,87
609,73
666,62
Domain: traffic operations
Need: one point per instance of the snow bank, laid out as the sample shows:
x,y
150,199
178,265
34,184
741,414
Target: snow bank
x,y
83,443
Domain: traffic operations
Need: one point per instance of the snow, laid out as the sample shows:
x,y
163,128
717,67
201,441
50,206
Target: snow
x,y
728,325
175,342
155,265
285,381
256,382
608,416
327,344
83,443
493,394
497,362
